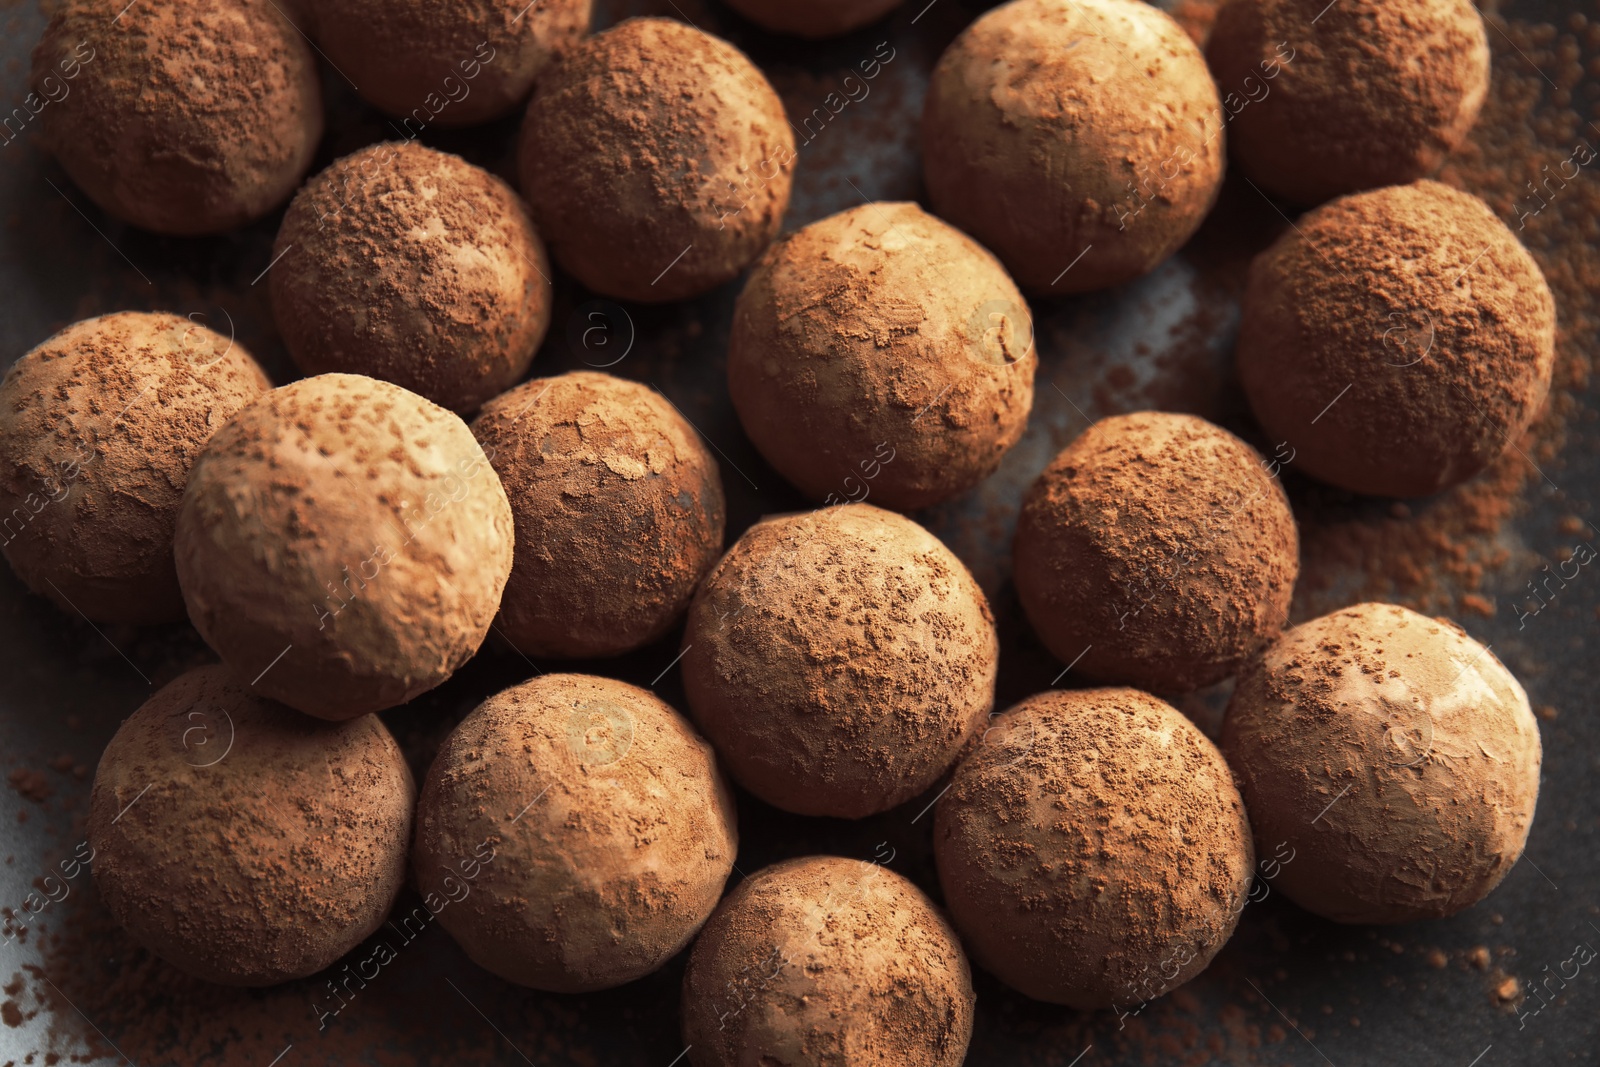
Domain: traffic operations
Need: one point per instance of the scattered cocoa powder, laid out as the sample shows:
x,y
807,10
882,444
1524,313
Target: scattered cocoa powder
x,y
31,784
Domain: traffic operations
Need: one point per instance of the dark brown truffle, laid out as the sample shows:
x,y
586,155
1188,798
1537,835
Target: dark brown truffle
x,y
618,510
840,660
657,160
411,265
881,353
1394,755
823,960
1361,93
242,841
342,544
1080,140
596,827
179,117
1093,849
1158,550
813,19
99,426
1400,339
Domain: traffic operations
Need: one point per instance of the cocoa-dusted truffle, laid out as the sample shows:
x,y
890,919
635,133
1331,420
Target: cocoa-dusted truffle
x,y
1394,755
342,544
618,507
1158,550
813,19
179,117
827,960
657,160
882,354
99,426
608,828
452,64
414,266
1080,140
1093,849
840,660
242,841
1400,339
1325,101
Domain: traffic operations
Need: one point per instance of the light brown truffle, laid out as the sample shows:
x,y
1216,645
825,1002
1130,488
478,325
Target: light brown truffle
x,y
99,426
1093,849
882,354
1400,339
823,960
242,841
1395,756
618,510
1157,550
414,266
343,544
179,117
657,160
609,830
840,660
1080,140
1362,93
813,19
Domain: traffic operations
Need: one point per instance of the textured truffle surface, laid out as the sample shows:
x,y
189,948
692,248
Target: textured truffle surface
x,y
618,511
609,828
1401,339
242,841
823,960
813,19
882,354
343,543
99,426
840,660
414,266
1093,849
1395,755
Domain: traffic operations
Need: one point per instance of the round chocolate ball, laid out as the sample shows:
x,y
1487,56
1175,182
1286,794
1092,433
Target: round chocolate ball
x,y
1364,93
827,960
1400,339
243,842
1080,140
411,265
99,426
1394,755
1093,849
178,117
586,829
1157,550
618,512
840,660
343,543
881,353
813,19
657,160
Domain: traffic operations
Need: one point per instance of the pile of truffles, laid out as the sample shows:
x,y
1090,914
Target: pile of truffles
x,y
348,541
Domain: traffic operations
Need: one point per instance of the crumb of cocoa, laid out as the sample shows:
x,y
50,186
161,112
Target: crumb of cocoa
x,y
1479,957
1507,990
1474,604
1437,959
1546,712
11,1014
62,763
31,784
1572,524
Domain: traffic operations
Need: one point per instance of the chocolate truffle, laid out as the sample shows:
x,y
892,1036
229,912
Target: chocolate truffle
x,y
881,353
1157,550
1080,140
180,117
242,841
1093,849
99,426
1362,93
657,160
414,266
1400,339
454,64
618,512
813,19
626,837
342,544
1394,755
823,960
840,660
